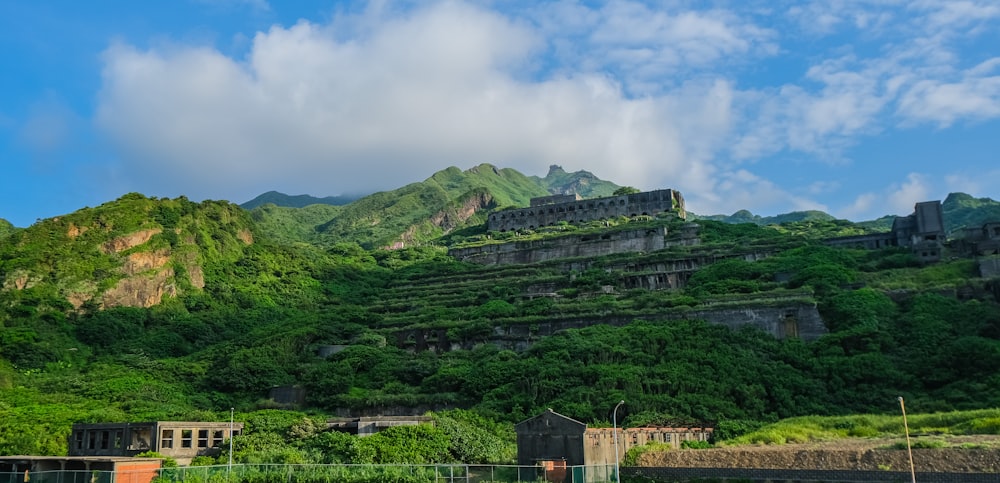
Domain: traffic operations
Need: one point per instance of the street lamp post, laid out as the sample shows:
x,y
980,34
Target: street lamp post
x,y
614,428
229,469
906,430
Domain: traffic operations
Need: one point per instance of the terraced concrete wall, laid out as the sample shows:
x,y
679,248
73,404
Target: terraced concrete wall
x,y
591,245
782,320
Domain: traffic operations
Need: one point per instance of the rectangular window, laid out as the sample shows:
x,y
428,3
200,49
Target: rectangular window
x,y
185,438
217,437
91,440
78,439
202,438
118,439
105,439
167,439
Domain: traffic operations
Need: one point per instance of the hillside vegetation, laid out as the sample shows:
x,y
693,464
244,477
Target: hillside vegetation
x,y
243,304
420,213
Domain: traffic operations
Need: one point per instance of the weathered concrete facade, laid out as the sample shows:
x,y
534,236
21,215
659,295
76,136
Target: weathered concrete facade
x,y
644,240
981,241
79,469
781,319
369,425
176,439
550,210
551,441
922,232
591,245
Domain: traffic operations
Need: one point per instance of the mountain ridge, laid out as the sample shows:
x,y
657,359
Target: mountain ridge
x,y
278,198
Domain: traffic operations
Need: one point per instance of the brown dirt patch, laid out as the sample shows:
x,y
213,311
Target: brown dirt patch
x,y
980,454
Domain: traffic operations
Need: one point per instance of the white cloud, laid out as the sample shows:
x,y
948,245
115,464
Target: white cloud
x,y
437,87
734,190
644,96
975,96
901,197
978,184
650,49
862,207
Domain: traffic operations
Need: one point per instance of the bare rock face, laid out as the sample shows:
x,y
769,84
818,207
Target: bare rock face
x,y
140,262
123,243
74,231
449,219
245,236
141,290
20,280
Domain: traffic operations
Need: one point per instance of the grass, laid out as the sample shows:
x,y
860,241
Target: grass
x,y
829,428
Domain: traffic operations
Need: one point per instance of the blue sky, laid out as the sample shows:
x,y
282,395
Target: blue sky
x,y
858,108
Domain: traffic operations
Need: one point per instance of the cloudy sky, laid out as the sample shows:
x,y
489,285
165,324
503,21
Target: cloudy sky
x,y
859,108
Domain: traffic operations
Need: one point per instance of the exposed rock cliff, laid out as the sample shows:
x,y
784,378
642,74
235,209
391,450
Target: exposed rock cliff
x,y
134,251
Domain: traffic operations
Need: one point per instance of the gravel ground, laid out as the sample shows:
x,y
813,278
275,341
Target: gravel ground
x,y
981,455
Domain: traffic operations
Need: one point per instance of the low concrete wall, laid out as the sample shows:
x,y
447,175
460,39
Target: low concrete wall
x,y
778,476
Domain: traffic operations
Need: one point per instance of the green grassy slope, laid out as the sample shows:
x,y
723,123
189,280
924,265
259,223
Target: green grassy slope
x,y
5,228
896,327
383,218
293,225
296,201
584,183
962,210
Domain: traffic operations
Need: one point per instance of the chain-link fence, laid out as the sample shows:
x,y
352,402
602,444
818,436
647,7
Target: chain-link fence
x,y
327,474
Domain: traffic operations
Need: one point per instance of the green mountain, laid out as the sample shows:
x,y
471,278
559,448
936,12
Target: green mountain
x,y
420,212
132,252
6,228
296,201
290,225
960,211
149,309
744,216
963,211
584,183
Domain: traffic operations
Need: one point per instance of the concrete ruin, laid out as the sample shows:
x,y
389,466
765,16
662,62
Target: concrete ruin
x,y
980,241
783,319
176,439
79,469
369,425
560,448
551,210
922,232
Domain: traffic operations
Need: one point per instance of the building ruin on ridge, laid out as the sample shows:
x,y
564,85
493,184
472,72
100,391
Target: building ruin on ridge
x,y
922,232
551,210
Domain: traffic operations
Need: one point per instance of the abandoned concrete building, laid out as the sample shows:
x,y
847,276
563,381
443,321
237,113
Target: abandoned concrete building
x,y
177,439
979,241
922,232
560,448
79,469
369,425
550,210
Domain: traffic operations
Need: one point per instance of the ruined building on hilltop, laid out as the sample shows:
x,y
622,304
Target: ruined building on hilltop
x,y
550,210
922,232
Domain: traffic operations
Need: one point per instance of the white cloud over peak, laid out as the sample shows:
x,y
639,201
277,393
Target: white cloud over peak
x,y
641,95
434,88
